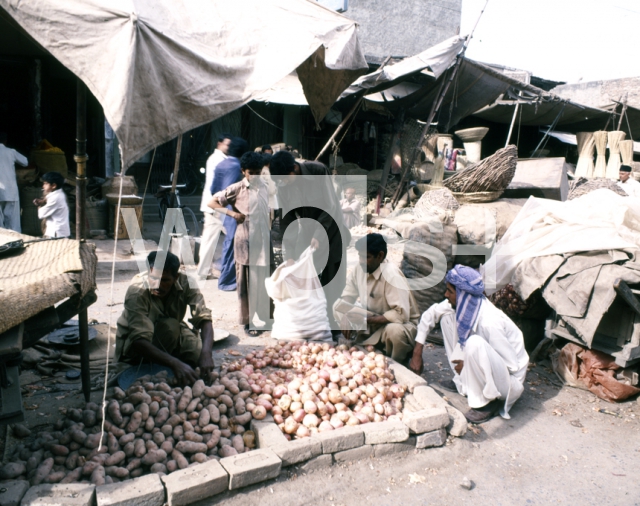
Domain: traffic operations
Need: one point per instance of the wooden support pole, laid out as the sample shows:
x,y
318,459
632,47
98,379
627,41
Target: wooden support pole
x,y
81,190
176,166
340,127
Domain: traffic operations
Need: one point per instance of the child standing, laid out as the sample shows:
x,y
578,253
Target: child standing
x,y
53,206
253,252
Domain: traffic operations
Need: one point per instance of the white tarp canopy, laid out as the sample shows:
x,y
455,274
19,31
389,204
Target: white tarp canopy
x,y
162,67
437,59
287,91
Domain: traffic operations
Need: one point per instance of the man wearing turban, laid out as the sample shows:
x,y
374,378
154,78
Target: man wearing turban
x,y
484,347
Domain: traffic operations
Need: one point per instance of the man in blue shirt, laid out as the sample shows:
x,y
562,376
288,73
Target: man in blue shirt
x,y
227,173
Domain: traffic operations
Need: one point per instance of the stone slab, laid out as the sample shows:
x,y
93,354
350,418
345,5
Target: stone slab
x,y
405,377
428,398
426,420
251,467
298,450
143,491
431,439
71,494
319,462
354,455
268,434
390,431
13,492
340,439
195,483
457,422
394,448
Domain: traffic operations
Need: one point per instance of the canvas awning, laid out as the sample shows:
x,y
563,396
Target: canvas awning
x,y
162,67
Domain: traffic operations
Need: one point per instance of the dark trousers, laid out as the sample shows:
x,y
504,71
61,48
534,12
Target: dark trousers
x,y
227,279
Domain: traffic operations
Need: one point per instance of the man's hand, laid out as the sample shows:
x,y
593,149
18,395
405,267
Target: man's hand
x,y
184,374
290,262
206,365
345,326
239,217
459,364
39,202
314,243
416,364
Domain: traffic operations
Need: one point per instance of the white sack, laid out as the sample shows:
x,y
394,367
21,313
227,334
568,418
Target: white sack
x,y
300,304
600,220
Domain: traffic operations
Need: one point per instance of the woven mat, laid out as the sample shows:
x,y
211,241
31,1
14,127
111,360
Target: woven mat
x,y
42,275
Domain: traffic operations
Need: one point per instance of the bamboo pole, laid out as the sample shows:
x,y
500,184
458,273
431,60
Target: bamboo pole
x,y
340,127
81,158
176,166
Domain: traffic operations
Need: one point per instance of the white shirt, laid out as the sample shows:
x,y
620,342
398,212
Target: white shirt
x,y
492,325
56,211
8,184
212,163
631,187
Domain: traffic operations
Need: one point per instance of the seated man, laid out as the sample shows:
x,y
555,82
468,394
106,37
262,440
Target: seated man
x,y
484,347
392,327
151,327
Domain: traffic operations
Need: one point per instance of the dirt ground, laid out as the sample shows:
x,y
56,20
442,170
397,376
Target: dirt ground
x,y
557,448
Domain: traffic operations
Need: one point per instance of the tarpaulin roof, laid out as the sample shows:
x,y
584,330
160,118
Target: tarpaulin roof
x,y
569,138
436,59
162,67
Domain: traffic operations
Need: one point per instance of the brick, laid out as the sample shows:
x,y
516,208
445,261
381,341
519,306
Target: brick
x,y
195,483
268,434
431,439
391,431
340,439
428,398
251,467
299,450
392,448
354,455
319,462
457,422
71,494
144,491
426,420
13,492
405,377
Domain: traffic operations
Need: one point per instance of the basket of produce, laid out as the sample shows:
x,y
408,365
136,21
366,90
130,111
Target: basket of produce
x,y
486,180
49,158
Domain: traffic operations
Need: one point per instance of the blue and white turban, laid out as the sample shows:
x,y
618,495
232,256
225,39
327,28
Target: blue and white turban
x,y
469,295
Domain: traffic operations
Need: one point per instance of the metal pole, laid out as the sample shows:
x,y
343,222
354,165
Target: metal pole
x,y
81,191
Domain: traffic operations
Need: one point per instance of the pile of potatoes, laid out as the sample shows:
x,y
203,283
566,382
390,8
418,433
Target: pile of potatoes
x,y
318,387
151,428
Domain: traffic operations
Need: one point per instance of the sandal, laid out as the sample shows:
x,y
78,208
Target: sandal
x,y
252,332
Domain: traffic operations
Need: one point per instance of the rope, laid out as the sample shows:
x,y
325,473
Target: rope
x,y
264,119
113,274
153,157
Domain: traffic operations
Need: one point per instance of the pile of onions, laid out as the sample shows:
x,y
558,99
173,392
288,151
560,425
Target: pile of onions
x,y
312,387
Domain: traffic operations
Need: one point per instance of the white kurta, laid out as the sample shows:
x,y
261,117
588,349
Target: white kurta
x,y
56,212
631,187
8,184
495,361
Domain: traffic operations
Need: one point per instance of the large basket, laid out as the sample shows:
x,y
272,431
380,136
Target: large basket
x,y
467,198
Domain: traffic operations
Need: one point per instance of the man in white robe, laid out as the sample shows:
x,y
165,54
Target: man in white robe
x,y
490,361
628,183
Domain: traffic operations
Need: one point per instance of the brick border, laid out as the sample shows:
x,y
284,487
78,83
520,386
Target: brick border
x,y
427,418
